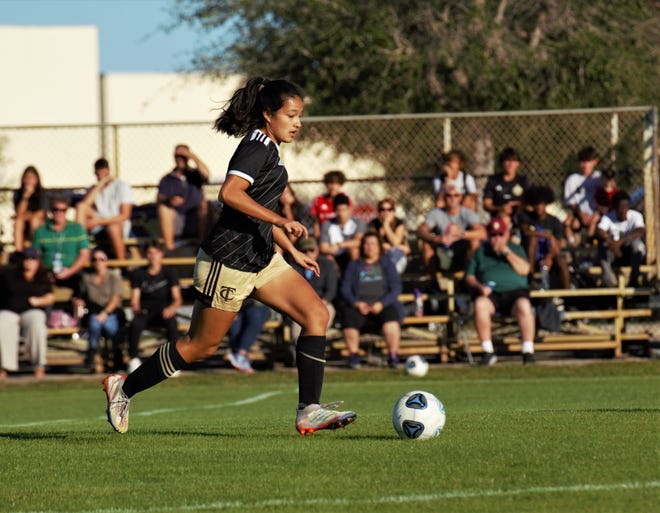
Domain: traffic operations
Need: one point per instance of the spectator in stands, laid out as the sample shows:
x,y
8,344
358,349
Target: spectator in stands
x,y
324,284
504,192
30,205
580,192
370,288
323,207
543,237
341,236
182,209
105,211
451,173
450,234
26,292
243,333
393,234
100,296
64,245
291,208
621,232
605,191
497,273
155,298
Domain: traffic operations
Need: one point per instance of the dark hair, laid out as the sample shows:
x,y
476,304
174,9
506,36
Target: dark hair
x,y
587,153
34,203
101,164
245,111
539,194
508,154
341,199
618,198
59,197
446,157
365,237
334,176
153,243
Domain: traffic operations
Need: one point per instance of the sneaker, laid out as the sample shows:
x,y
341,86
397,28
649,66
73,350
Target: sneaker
x,y
528,358
354,361
133,364
314,417
247,366
488,359
240,362
118,403
393,362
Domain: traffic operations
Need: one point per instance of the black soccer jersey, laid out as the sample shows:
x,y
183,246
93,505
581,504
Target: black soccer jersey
x,y
237,240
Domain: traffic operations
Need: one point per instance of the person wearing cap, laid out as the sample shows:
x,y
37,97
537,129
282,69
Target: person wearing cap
x,y
497,273
325,284
182,209
27,291
503,193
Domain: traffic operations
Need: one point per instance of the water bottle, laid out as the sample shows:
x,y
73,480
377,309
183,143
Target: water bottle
x,y
491,285
419,303
545,277
57,263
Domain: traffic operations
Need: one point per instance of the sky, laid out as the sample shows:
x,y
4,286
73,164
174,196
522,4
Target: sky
x,y
130,39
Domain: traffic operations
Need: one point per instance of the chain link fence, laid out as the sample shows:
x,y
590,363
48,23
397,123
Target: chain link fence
x,y
382,156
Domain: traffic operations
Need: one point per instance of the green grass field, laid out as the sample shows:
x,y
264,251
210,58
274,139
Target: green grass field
x,y
545,438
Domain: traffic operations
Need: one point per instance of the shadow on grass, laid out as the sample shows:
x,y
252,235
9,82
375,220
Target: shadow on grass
x,y
33,436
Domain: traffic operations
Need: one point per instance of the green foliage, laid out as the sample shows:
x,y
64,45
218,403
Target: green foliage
x,y
394,56
527,439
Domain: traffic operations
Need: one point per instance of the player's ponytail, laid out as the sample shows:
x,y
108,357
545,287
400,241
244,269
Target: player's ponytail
x,y
244,112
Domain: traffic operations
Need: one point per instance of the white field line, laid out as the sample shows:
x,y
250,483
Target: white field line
x,y
387,499
242,402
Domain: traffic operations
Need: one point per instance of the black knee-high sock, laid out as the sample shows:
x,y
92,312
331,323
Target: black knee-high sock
x,y
310,360
160,366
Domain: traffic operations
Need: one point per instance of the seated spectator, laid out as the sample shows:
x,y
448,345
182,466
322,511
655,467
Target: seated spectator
x,y
497,273
451,173
370,288
325,284
580,193
27,291
621,232
244,331
30,205
605,192
182,209
105,211
322,207
504,192
341,236
450,234
393,234
543,237
291,208
64,245
100,296
155,298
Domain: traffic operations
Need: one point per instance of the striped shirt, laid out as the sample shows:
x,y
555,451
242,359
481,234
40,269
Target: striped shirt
x,y
237,240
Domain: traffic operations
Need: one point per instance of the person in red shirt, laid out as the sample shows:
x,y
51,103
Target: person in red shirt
x,y
322,207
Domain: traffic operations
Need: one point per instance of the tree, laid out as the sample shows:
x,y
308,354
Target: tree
x,y
397,56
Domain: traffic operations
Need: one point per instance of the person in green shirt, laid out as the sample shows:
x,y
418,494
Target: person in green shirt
x,y
64,245
497,273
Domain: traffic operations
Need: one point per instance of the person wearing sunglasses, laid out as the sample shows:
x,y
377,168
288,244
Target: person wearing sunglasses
x,y
449,235
392,232
100,299
63,244
497,274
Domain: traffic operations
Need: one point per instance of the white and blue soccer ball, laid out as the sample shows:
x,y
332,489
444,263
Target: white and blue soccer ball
x,y
418,415
417,366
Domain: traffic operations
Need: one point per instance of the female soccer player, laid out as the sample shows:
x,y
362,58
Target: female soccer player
x,y
238,259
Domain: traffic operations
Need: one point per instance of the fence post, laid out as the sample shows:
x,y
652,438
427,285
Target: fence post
x,y
651,187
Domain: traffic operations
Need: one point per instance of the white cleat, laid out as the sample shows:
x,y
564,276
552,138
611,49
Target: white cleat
x,y
118,403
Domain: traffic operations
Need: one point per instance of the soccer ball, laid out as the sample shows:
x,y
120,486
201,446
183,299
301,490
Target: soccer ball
x,y
418,415
417,366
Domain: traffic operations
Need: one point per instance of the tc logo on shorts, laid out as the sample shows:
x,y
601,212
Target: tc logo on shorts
x,y
227,293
